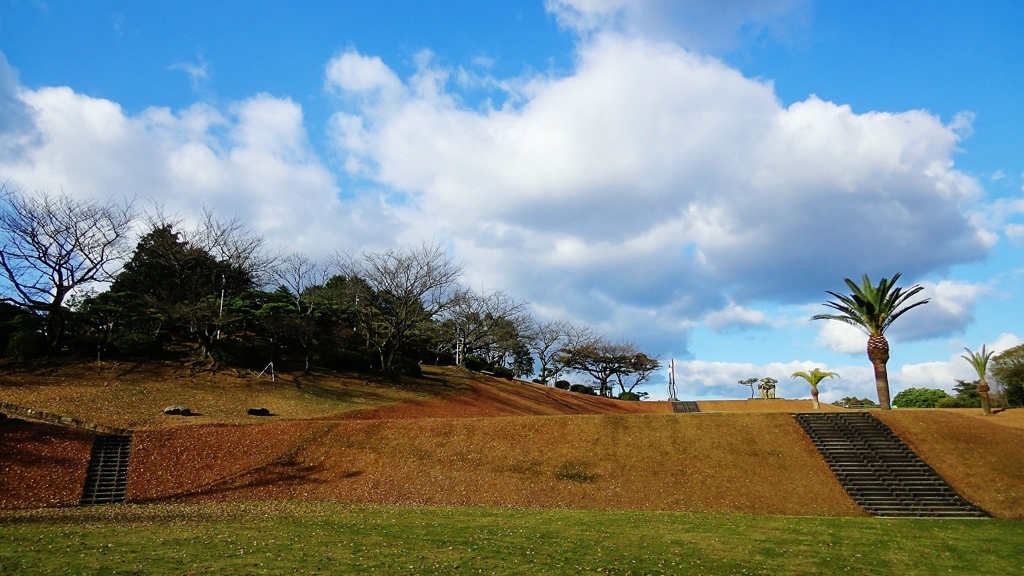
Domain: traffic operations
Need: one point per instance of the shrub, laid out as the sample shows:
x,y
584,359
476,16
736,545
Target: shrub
x,y
919,398
582,389
133,344
438,358
579,472
562,384
406,367
629,396
847,401
967,396
86,346
958,402
236,353
343,360
502,372
476,364
27,346
13,320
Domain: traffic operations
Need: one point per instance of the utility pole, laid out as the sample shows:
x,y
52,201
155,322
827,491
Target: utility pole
x,y
672,380
223,282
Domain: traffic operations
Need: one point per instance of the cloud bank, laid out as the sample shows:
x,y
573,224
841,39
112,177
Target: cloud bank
x,y
649,188
658,178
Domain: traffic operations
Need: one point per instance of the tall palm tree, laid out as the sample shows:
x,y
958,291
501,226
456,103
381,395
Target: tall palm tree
x,y
872,309
980,363
813,378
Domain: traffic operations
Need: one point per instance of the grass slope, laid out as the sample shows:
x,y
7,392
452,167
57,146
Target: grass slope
x,y
278,538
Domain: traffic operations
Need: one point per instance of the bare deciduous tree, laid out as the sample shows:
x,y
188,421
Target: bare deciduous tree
x,y
485,323
232,242
547,340
53,245
297,273
407,288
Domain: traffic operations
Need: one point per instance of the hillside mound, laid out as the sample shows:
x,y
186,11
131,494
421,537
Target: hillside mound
x,y
42,464
981,456
133,395
755,463
481,396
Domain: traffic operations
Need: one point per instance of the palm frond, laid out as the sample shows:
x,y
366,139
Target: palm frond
x,y
979,360
815,376
870,307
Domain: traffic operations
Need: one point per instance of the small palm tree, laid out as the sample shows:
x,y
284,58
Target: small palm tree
x,y
873,309
980,363
813,378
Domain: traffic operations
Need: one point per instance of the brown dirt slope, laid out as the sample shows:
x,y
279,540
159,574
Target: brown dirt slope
x,y
982,458
176,461
755,463
482,396
134,395
42,464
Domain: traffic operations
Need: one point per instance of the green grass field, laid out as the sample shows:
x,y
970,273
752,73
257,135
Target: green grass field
x,y
324,538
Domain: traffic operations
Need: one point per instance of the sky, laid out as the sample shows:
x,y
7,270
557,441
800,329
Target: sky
x,y
689,176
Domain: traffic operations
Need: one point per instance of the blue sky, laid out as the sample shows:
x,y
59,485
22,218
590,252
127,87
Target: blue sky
x,y
687,175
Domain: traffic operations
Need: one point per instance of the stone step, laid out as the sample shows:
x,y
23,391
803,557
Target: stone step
x,y
107,476
881,473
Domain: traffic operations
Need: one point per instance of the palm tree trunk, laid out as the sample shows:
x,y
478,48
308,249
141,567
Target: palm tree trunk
x,y
878,353
983,391
814,398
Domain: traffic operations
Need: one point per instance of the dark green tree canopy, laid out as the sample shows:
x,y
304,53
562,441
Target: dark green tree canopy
x,y
167,269
1008,369
919,398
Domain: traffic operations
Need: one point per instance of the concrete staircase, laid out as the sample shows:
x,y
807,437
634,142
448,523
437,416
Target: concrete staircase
x,y
685,406
107,475
881,473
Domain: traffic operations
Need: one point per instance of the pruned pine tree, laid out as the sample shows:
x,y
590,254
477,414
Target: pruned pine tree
x,y
604,361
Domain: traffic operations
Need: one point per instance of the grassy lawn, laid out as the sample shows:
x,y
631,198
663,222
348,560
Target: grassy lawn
x,y
294,537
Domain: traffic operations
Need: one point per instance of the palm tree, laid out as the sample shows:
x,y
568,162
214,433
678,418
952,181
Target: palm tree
x,y
813,378
872,309
980,363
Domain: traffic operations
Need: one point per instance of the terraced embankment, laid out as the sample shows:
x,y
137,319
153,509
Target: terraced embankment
x,y
755,463
42,464
982,457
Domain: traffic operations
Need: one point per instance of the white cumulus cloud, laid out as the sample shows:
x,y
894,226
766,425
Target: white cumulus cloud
x,y
691,23
733,316
655,177
252,159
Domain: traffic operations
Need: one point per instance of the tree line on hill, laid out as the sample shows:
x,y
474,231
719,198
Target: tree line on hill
x,y
216,292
